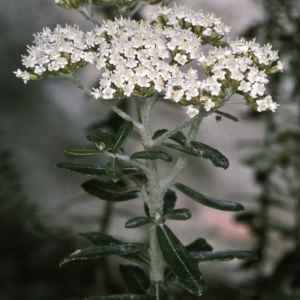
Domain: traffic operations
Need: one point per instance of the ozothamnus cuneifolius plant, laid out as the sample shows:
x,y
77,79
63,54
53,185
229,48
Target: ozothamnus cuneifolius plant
x,y
142,62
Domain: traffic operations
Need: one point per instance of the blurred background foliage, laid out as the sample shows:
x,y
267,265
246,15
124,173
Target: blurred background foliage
x,y
33,242
276,219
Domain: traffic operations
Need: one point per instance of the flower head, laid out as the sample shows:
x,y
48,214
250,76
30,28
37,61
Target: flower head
x,y
142,58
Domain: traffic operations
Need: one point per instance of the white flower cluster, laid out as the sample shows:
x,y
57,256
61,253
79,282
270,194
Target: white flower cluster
x,y
209,28
141,58
136,61
242,66
62,50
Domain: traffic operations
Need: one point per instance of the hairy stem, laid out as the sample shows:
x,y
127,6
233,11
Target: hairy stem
x,y
154,190
110,103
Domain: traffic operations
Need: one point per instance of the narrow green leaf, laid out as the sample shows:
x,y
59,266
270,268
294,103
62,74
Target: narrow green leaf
x,y
96,252
207,201
223,255
101,239
118,297
138,222
146,209
226,115
157,291
122,136
169,201
152,155
182,149
134,278
179,261
199,245
103,140
204,151
108,191
181,214
94,170
179,138
215,156
159,133
114,169
81,150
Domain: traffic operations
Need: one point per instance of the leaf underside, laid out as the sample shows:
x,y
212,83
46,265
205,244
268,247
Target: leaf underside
x,y
97,252
101,239
94,170
223,255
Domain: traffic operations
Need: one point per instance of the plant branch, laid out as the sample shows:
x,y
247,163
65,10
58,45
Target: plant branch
x,y
113,107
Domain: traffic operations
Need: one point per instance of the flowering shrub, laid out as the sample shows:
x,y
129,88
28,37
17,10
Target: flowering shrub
x,y
143,61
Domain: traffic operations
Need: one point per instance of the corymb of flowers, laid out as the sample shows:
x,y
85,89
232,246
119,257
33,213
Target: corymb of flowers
x,y
138,59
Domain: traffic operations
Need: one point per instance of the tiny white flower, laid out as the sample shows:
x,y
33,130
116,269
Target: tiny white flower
x,y
192,111
237,75
108,92
262,105
181,58
257,89
96,93
245,86
280,66
88,57
209,104
207,31
271,104
23,75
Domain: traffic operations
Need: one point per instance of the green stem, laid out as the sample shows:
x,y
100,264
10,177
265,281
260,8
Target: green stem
x,y
154,190
183,159
111,105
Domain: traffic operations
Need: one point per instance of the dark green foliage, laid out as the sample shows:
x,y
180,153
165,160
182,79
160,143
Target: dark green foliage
x,y
108,191
134,278
207,152
153,155
226,115
114,169
177,137
101,239
169,201
223,255
181,214
159,133
96,252
184,268
138,222
95,170
103,140
202,150
207,201
81,150
122,136
199,245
